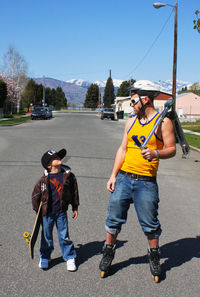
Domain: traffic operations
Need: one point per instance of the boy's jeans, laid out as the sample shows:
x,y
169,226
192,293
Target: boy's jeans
x,y
144,195
66,245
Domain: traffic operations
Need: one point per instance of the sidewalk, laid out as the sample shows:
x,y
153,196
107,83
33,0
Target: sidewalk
x,y
191,132
15,117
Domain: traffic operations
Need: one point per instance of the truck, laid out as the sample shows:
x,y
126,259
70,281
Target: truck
x,y
108,113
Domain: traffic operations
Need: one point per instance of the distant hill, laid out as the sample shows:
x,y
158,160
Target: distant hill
x,y
76,89
74,93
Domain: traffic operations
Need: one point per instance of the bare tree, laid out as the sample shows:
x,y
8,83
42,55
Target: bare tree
x,y
16,68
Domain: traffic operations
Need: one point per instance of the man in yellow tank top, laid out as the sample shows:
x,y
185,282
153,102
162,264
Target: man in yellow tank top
x,y
133,177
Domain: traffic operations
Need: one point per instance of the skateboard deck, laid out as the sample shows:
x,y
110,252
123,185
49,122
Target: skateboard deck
x,y
31,239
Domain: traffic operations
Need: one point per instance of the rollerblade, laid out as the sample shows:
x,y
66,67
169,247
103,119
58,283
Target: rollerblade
x,y
108,256
154,262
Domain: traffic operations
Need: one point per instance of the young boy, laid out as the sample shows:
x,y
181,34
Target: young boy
x,y
57,188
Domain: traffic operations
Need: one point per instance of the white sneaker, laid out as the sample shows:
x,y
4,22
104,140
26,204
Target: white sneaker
x,y
71,265
44,263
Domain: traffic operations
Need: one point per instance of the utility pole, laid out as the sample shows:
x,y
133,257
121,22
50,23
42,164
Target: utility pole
x,y
130,86
43,98
99,97
159,5
175,57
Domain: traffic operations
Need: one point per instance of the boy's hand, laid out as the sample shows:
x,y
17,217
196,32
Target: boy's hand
x,y
75,214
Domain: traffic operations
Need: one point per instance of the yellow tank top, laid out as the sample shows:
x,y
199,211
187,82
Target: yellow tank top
x,y
134,162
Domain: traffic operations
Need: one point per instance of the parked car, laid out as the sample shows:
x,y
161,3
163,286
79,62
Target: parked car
x,y
107,113
49,112
40,112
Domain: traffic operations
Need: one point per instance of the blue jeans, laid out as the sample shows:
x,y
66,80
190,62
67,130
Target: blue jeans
x,y
47,246
144,195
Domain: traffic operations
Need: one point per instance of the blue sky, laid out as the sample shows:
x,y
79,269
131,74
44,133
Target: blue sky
x,y
84,39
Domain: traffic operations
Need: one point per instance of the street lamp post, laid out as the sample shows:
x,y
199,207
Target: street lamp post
x,y
175,6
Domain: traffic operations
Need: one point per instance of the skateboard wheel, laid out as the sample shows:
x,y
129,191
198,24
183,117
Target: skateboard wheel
x,y
156,279
102,274
26,234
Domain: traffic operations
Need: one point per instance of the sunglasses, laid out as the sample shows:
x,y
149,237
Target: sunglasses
x,y
136,100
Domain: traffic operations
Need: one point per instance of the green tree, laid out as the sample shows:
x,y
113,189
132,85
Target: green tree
x,y
30,94
92,96
195,88
3,93
48,96
39,94
109,94
58,98
33,94
123,89
197,22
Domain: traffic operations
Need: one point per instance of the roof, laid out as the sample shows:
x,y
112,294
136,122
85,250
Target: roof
x,y
163,96
122,98
186,94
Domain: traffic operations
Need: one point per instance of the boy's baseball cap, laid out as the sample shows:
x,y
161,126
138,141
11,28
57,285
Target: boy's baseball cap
x,y
50,155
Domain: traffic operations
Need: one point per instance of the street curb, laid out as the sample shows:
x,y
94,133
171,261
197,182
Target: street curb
x,y
195,149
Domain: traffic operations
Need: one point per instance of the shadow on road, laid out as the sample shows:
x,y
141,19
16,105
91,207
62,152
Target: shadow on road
x,y
91,249
177,253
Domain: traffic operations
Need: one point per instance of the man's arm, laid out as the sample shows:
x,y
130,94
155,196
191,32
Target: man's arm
x,y
169,140
166,132
119,158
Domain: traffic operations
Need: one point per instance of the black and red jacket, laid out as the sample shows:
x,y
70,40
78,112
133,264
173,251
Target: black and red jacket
x,y
69,194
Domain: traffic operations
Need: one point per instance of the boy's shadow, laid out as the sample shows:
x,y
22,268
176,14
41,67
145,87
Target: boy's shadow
x,y
177,253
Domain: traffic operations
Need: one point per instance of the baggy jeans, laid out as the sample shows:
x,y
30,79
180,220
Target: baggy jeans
x,y
144,195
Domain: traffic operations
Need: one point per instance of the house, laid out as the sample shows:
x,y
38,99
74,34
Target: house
x,y
123,103
188,106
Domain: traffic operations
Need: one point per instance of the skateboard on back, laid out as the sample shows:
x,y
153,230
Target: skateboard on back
x,y
32,238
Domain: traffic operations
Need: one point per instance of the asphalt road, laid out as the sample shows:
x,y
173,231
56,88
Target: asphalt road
x,y
91,145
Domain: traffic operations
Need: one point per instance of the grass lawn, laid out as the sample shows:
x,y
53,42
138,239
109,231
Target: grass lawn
x,y
193,140
191,126
14,121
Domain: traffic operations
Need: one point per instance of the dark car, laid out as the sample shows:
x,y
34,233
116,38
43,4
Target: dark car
x,y
107,113
41,113
49,112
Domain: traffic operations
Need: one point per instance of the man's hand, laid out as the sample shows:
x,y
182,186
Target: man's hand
x,y
75,214
148,154
111,184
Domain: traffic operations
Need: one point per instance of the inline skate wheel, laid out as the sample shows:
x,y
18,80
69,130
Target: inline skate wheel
x,y
156,279
26,234
28,240
102,274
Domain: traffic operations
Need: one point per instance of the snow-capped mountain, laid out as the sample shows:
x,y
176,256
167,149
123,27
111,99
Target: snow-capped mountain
x,y
76,89
85,83
79,82
165,86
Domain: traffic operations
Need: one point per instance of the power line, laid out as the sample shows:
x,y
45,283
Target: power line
x,y
148,51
